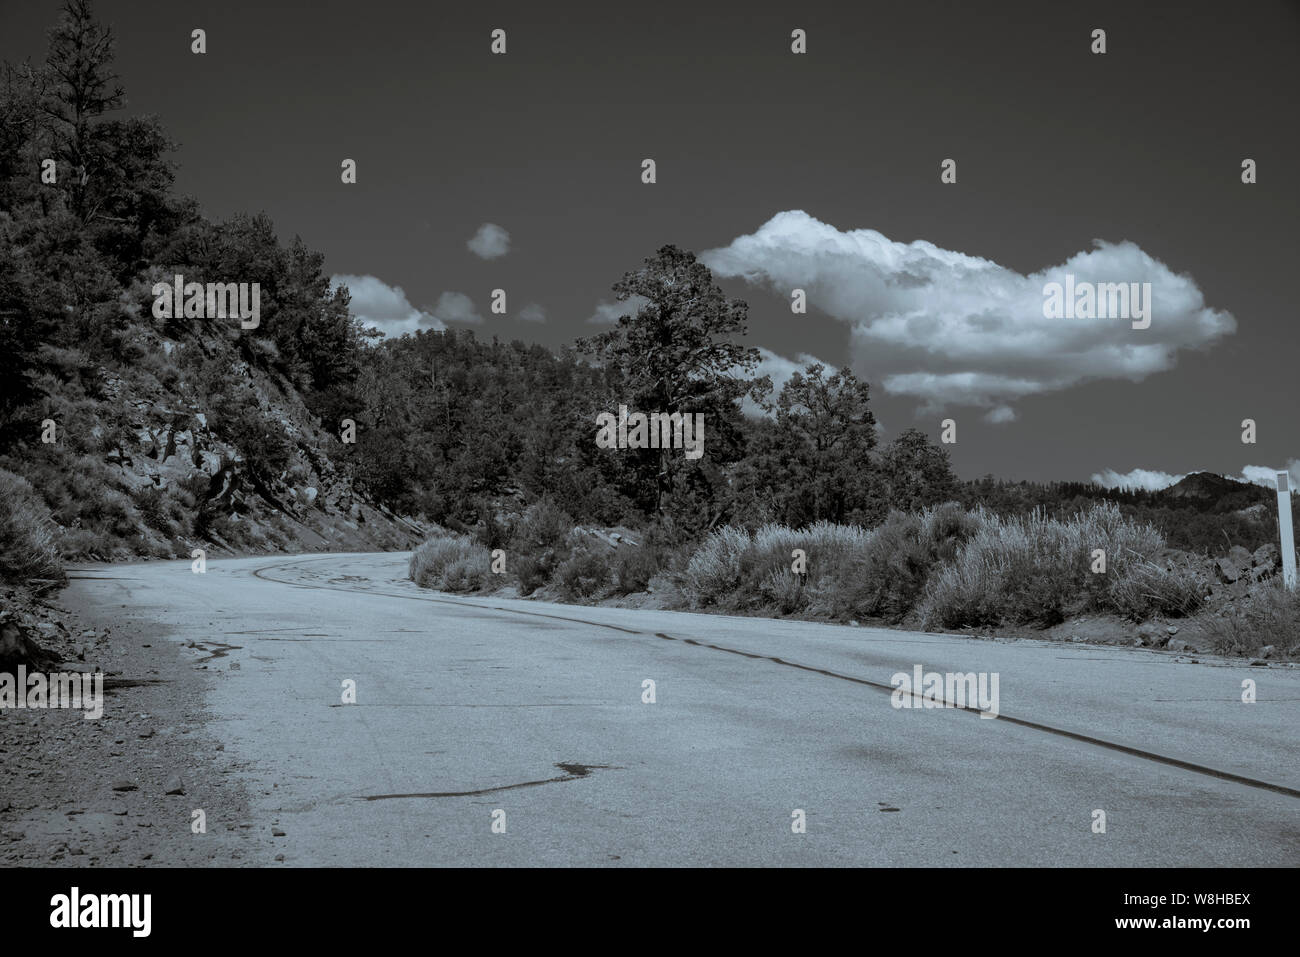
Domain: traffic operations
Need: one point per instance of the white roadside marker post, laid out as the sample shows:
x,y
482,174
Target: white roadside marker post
x,y
1284,530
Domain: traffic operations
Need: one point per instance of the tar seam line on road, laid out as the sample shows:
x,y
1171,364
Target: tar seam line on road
x,y
879,686
1024,723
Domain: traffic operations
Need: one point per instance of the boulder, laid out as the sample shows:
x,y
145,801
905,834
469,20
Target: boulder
x,y
1149,635
1260,572
211,461
18,648
1267,556
1226,570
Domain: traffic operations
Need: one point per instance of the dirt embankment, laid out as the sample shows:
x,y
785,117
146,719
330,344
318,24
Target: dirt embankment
x,y
123,789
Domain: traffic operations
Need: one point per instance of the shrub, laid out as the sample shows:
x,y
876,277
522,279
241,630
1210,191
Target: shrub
x,y
218,526
540,543
85,544
162,367
1033,569
1270,615
1143,589
543,526
1017,569
531,573
260,437
467,573
194,488
714,570
150,503
27,533
884,574
262,441
735,569
448,561
584,575
785,591
494,533
946,528
634,569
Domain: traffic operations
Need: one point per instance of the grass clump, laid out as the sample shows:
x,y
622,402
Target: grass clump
x,y
27,533
1269,615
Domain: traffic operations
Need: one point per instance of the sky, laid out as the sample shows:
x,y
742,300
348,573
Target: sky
x,y
819,171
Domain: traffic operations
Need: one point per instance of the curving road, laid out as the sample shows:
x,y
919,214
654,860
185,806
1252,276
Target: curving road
x,y
469,706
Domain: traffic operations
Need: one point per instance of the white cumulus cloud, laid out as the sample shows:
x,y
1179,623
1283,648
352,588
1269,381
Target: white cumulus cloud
x,y
532,313
1138,480
947,328
377,305
1262,475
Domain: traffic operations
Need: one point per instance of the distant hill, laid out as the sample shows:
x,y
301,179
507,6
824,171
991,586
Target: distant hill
x,y
1203,512
1205,485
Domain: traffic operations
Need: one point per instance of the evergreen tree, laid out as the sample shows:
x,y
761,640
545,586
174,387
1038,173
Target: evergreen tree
x,y
677,355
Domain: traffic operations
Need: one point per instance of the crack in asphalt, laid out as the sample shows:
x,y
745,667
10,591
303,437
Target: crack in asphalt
x,y
216,649
1152,756
573,771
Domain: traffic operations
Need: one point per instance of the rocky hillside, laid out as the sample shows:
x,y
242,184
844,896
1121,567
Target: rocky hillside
x,y
193,447
187,486
132,429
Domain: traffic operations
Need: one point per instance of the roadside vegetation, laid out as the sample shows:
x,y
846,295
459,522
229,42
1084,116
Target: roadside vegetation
x,y
942,568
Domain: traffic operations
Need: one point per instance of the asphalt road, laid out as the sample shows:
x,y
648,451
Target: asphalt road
x,y
470,706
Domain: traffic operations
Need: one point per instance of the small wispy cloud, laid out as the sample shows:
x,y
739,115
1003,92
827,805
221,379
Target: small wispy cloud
x,y
607,313
490,242
456,307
